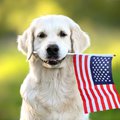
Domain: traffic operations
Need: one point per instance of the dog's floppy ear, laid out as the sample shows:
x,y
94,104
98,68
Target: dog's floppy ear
x,y
79,39
25,42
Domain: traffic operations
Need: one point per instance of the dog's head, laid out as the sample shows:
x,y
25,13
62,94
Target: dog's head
x,y
51,38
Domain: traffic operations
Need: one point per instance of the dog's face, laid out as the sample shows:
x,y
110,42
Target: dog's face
x,y
51,38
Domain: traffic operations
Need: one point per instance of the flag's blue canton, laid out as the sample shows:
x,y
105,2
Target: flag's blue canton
x,y
101,70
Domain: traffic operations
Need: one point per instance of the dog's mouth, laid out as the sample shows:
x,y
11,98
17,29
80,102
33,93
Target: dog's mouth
x,y
50,61
53,61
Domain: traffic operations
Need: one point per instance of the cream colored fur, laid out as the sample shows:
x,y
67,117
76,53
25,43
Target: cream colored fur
x,y
51,93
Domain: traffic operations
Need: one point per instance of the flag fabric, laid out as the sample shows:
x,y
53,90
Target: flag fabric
x,y
95,82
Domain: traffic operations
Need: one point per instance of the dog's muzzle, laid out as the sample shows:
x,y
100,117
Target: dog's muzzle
x,y
52,54
52,51
52,57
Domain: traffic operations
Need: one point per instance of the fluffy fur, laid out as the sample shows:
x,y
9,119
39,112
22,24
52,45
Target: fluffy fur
x,y
50,92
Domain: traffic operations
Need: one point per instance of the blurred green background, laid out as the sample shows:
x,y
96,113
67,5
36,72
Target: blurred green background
x,y
99,18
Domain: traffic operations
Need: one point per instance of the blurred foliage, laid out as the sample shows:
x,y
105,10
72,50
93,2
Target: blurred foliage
x,y
100,18
100,11
15,14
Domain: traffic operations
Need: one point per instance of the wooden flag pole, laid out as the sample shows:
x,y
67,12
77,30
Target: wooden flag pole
x,y
92,54
86,54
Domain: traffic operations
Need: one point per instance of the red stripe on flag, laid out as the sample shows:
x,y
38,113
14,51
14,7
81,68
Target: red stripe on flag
x,y
107,97
101,97
78,83
76,73
113,97
84,84
89,83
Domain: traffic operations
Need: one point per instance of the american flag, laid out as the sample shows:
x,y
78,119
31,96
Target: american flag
x,y
95,82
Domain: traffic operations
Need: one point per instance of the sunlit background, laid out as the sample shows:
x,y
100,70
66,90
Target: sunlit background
x,y
99,18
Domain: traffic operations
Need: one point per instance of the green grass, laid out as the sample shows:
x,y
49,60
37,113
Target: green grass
x,y
13,69
106,115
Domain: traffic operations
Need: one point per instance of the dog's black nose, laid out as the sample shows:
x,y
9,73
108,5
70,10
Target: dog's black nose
x,y
52,51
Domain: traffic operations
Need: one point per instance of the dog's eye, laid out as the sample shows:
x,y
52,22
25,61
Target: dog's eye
x,y
42,35
62,34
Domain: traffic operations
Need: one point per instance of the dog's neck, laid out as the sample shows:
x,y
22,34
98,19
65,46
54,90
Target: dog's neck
x,y
39,71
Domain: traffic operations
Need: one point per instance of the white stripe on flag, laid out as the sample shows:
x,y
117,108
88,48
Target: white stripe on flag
x,y
87,85
81,83
104,97
116,98
110,97
96,94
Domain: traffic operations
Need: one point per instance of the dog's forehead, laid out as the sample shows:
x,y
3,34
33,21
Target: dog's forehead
x,y
52,20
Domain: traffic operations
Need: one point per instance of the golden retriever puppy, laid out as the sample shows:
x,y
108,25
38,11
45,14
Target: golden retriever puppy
x,y
50,91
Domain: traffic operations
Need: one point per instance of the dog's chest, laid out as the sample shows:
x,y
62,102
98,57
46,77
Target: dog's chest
x,y
53,94
52,97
